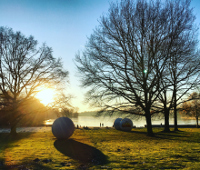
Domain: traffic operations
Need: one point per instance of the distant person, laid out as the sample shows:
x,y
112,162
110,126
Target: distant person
x,y
102,124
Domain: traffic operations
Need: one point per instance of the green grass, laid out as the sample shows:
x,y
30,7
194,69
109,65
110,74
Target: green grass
x,y
102,149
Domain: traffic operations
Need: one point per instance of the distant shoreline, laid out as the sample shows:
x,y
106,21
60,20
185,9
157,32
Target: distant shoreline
x,y
97,127
179,126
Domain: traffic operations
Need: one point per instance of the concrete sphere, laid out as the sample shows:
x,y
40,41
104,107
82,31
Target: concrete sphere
x,y
117,123
63,128
126,124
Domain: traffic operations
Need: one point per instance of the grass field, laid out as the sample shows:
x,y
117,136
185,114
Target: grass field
x,y
102,149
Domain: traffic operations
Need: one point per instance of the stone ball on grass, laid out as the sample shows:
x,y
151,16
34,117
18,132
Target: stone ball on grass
x,y
117,123
126,124
63,128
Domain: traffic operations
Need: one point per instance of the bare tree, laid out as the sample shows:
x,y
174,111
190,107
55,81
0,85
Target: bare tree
x,y
126,57
182,71
191,108
24,68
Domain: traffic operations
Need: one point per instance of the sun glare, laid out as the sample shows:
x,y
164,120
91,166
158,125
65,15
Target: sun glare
x,y
46,96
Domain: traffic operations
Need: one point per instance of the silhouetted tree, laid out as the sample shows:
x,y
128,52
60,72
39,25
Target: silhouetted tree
x,y
23,69
191,108
127,56
182,71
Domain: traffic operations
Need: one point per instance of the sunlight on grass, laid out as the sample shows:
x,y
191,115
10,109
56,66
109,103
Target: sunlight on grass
x,y
127,150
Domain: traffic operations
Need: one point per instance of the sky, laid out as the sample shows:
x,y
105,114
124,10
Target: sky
x,y
63,25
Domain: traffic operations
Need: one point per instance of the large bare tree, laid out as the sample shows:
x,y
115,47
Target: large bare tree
x,y
24,69
182,70
127,56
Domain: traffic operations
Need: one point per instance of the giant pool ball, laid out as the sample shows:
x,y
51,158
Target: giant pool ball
x,y
63,128
117,123
126,124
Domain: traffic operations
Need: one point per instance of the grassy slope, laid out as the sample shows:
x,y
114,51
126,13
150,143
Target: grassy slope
x,y
102,149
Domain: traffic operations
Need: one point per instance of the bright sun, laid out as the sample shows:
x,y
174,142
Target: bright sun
x,y
46,96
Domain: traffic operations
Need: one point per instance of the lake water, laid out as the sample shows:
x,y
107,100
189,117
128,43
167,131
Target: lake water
x,y
92,121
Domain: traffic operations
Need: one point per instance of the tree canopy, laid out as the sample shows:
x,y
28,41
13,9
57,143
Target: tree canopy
x,y
130,53
24,68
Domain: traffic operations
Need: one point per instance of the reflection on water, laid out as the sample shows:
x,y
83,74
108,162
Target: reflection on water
x,y
91,121
49,121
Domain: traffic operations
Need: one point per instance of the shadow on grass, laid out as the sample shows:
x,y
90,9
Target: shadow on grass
x,y
79,151
7,140
25,166
137,132
159,134
179,135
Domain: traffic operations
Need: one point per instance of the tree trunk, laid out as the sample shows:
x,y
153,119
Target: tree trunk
x,y
175,110
167,121
13,129
14,117
149,125
197,122
175,119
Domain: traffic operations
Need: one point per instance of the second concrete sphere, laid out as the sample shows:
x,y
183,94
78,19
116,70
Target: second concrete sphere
x,y
123,124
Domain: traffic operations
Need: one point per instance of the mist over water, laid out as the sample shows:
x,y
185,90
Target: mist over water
x,y
93,121
109,121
